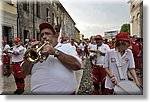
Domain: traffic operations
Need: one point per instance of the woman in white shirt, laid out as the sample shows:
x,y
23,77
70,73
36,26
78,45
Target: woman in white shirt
x,y
126,60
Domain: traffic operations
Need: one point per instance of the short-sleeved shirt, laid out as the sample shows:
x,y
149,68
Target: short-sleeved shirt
x,y
52,77
127,61
6,47
20,57
100,59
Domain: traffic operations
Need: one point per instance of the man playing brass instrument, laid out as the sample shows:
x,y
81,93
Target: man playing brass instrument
x,y
56,74
97,60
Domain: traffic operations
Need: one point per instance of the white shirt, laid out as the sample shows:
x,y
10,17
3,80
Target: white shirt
x,y
100,59
127,61
20,57
81,46
91,46
52,77
6,47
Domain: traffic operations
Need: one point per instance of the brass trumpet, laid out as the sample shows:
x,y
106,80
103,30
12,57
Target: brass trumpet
x,y
34,54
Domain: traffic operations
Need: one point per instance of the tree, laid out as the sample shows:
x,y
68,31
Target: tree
x,y
125,28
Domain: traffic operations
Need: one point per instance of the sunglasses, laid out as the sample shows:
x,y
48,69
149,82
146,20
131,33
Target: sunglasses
x,y
98,39
122,43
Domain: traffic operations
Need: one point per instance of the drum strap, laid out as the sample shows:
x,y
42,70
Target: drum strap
x,y
119,65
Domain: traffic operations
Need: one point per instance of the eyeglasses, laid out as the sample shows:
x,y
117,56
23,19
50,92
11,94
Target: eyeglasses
x,y
47,33
98,39
122,43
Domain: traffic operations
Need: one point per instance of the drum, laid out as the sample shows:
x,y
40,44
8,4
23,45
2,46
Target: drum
x,y
127,88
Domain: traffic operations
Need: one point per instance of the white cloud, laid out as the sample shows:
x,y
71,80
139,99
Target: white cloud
x,y
98,16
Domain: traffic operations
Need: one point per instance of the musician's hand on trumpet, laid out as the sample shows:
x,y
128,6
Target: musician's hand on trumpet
x,y
5,51
97,52
48,49
39,51
94,51
34,44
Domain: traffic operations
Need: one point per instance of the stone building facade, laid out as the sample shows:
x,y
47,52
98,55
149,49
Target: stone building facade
x,y
31,14
136,11
22,18
8,16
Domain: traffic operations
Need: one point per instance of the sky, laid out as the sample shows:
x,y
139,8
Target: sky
x,y
94,17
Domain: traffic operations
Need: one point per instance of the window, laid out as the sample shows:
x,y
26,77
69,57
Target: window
x,y
53,3
47,15
38,9
53,18
57,20
26,6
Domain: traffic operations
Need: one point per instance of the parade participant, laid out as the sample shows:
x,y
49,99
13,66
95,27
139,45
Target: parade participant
x,y
97,56
73,43
78,49
17,59
55,75
64,39
136,50
92,45
82,47
86,50
1,79
6,59
125,59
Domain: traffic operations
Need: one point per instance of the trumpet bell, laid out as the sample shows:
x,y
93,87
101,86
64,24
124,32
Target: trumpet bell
x,y
33,56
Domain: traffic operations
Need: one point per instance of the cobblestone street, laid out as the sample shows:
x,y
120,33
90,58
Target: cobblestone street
x,y
86,81
83,77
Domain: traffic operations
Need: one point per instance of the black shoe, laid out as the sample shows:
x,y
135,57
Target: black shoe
x,y
20,91
17,90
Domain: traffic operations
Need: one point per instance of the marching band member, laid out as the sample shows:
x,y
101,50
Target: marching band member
x,y
126,60
17,58
6,59
97,56
1,76
55,75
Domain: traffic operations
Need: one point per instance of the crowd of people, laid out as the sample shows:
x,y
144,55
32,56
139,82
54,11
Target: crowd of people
x,y
112,60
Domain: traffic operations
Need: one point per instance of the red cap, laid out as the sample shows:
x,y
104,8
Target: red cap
x,y
46,25
122,36
16,40
98,37
4,41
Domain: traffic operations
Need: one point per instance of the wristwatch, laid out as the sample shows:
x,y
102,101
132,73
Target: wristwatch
x,y
56,53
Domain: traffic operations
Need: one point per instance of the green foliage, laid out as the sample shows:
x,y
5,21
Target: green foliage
x,y
125,28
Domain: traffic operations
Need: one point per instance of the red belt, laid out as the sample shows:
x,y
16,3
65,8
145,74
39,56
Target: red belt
x,y
16,62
